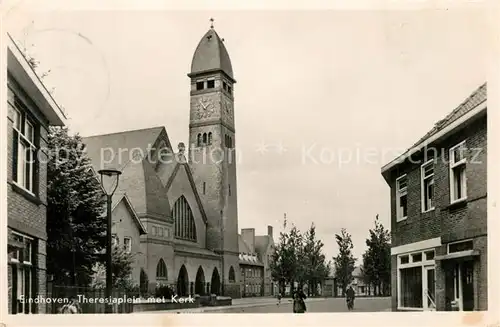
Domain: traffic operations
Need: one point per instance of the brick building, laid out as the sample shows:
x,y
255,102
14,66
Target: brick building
x,y
255,257
31,110
439,214
185,200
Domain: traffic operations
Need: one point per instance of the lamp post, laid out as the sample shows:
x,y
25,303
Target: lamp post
x,y
109,190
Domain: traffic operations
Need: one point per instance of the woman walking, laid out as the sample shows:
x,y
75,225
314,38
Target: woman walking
x,y
299,304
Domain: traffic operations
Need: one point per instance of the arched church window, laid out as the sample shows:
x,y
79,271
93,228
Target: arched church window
x,y
199,140
210,138
185,227
232,276
204,138
161,270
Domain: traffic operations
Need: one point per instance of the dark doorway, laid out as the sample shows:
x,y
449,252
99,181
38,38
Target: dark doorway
x,y
183,282
215,283
468,285
143,282
199,287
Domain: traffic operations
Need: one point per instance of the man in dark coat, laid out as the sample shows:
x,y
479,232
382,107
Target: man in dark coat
x,y
350,295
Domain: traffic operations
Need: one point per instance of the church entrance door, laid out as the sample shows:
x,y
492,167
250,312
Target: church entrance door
x,y
183,282
215,283
199,287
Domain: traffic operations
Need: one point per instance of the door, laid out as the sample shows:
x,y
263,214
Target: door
x,y
429,283
467,275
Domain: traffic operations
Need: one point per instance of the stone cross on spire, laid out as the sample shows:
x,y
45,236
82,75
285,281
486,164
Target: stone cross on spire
x,y
211,23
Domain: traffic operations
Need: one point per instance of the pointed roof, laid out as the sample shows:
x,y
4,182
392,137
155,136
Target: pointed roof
x,y
128,152
117,199
189,174
262,243
211,55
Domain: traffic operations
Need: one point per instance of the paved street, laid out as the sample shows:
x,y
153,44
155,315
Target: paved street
x,y
313,305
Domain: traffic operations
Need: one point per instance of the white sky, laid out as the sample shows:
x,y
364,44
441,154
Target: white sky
x,y
356,81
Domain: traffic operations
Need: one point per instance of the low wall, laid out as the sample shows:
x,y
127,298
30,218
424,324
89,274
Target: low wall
x,y
179,303
183,303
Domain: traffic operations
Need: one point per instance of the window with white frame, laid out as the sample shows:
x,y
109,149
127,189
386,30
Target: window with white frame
x,y
24,149
127,244
23,273
458,185
427,174
415,285
401,197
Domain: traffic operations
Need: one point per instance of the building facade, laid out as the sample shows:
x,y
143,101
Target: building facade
x,y
254,259
439,214
185,199
31,110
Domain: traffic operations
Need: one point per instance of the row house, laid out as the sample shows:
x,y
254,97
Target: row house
x,y
30,111
439,214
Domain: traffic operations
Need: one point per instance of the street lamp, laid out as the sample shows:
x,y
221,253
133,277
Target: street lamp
x,y
109,190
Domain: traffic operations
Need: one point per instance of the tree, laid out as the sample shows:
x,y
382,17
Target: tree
x,y
344,261
121,270
75,222
377,259
286,257
316,268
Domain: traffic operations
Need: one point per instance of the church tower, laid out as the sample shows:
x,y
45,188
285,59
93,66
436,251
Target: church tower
x,y
212,142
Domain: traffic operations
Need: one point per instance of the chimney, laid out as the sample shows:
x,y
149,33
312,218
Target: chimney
x,y
248,235
270,231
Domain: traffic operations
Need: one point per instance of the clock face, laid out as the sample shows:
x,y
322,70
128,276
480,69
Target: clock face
x,y
227,108
205,107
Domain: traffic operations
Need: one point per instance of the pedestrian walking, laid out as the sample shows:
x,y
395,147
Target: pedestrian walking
x,y
299,304
350,295
279,298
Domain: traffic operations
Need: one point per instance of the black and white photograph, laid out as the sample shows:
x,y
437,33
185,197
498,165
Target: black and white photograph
x,y
210,160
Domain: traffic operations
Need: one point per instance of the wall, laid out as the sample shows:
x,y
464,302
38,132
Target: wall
x,y
124,225
25,213
450,222
181,186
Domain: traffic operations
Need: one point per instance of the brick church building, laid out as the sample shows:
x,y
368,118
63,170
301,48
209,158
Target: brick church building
x,y
176,209
439,214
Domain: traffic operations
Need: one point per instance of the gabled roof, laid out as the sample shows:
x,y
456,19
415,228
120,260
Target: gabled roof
x,y
477,97
189,174
262,243
138,179
472,107
122,197
117,149
357,272
243,247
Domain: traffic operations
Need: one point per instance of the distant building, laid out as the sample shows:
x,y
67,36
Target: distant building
x,y
439,214
255,257
31,110
360,287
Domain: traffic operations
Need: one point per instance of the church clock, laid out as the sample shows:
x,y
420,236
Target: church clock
x,y
205,107
227,109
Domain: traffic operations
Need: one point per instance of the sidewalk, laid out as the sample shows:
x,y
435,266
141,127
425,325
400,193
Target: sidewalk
x,y
238,303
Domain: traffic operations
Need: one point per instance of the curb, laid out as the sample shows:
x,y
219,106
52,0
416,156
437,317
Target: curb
x,y
236,306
